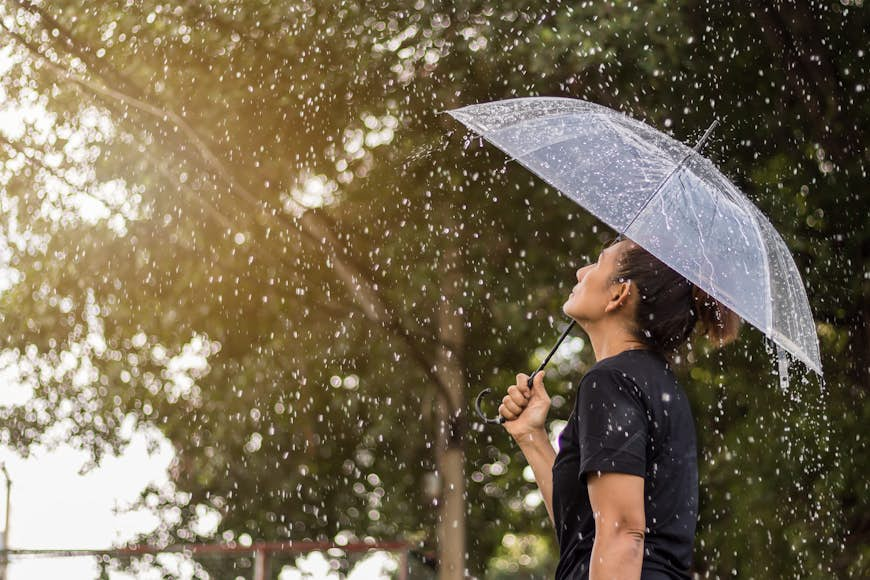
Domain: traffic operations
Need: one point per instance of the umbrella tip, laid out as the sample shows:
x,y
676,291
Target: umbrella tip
x,y
706,134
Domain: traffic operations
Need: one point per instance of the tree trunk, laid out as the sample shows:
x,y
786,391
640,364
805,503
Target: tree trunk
x,y
450,447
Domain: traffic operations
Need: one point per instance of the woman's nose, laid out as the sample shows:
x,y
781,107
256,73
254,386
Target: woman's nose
x,y
581,273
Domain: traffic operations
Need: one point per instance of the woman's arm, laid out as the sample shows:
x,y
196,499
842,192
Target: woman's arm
x,y
612,432
620,523
525,412
541,456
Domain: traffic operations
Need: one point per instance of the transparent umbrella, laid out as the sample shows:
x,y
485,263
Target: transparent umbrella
x,y
667,198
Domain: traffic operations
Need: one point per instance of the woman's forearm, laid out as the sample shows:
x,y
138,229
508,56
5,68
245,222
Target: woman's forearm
x,y
541,456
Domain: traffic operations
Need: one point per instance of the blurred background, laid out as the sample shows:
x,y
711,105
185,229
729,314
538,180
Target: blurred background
x,y
250,279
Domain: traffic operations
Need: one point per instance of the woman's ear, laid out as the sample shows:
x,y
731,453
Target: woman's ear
x,y
619,296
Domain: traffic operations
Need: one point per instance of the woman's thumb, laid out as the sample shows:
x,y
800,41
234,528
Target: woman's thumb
x,y
538,383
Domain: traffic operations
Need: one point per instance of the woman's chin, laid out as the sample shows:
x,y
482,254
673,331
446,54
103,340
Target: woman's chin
x,y
569,309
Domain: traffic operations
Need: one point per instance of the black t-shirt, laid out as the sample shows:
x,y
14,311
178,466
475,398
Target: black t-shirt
x,y
630,416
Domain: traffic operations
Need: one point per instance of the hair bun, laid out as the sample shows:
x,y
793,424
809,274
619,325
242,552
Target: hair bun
x,y
720,324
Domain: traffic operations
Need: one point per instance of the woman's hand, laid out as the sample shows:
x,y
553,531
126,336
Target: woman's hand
x,y
525,410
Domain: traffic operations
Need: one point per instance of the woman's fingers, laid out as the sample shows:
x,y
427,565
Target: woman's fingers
x,y
523,385
517,395
511,406
502,410
525,390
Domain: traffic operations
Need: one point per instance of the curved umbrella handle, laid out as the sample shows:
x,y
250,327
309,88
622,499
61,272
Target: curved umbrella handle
x,y
496,420
500,419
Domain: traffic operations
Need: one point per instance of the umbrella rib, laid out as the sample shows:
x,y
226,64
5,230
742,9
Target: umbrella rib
x,y
653,194
667,178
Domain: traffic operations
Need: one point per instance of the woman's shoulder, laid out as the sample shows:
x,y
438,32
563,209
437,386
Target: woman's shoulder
x,y
608,382
641,369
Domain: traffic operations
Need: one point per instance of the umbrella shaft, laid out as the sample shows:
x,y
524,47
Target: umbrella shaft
x,y
553,350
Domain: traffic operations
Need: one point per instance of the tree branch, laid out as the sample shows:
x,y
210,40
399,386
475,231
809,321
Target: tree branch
x,y
314,232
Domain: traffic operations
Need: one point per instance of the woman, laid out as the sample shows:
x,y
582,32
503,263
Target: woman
x,y
623,490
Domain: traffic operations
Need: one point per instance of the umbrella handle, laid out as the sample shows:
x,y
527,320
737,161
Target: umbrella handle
x,y
500,419
495,420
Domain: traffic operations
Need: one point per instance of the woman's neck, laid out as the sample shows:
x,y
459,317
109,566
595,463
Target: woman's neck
x,y
610,342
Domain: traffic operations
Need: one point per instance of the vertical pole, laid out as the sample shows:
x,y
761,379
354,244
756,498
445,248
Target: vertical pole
x,y
261,564
403,564
4,557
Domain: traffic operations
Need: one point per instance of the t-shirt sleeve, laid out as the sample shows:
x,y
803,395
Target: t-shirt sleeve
x,y
612,426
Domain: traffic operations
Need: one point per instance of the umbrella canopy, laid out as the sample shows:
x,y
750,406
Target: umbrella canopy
x,y
667,198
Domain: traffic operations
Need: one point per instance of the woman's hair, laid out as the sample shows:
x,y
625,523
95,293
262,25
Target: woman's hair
x,y
669,305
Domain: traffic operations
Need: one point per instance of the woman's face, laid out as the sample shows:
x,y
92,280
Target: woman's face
x,y
595,289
